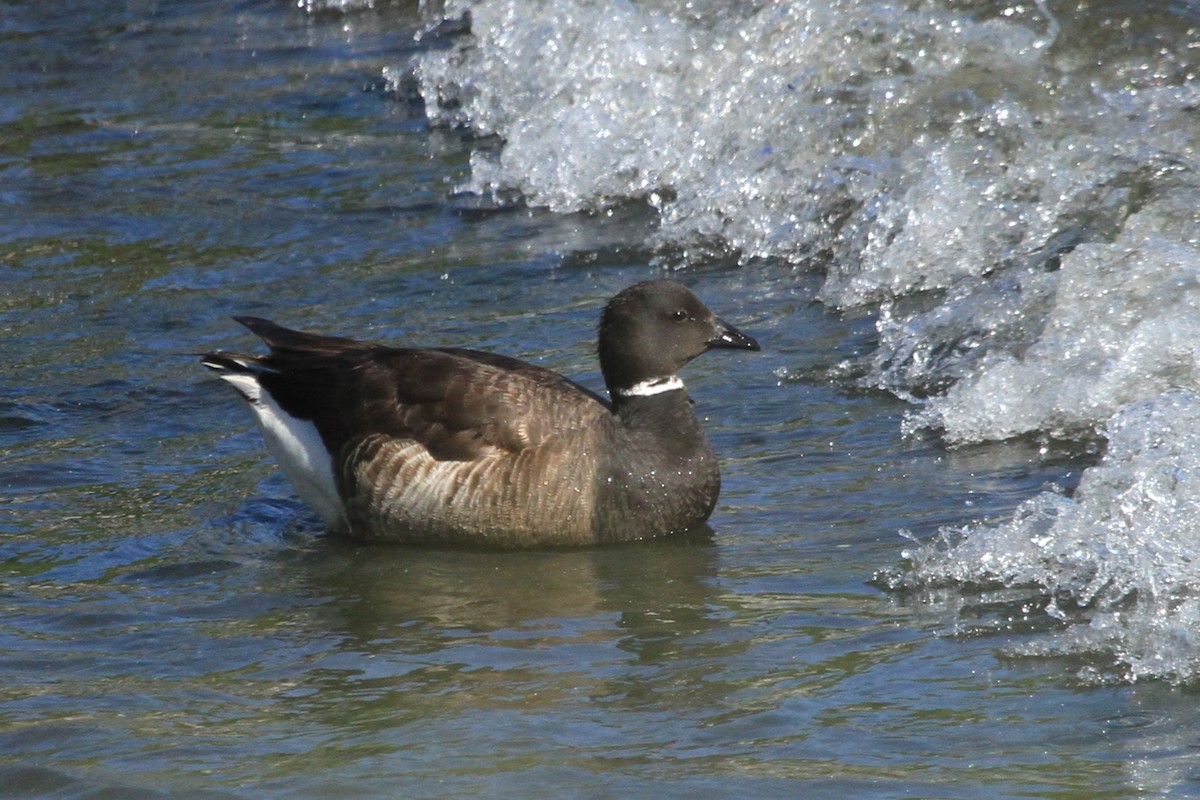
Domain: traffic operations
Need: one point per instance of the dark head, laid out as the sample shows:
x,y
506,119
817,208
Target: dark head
x,y
651,329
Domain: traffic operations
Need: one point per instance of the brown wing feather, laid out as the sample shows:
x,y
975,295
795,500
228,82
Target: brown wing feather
x,y
459,404
462,407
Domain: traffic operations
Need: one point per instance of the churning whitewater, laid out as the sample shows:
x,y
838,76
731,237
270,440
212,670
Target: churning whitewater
x,y
1020,213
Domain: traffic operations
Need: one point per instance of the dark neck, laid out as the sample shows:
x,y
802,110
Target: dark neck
x,y
663,478
667,411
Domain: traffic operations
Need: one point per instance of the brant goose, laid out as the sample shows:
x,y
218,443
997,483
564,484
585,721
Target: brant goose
x,y
457,446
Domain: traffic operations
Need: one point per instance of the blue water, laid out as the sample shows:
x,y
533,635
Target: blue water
x,y
174,623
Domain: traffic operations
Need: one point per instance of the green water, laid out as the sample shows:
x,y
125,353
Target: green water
x,y
173,623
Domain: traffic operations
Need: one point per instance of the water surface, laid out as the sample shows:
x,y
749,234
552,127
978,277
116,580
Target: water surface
x,y
174,623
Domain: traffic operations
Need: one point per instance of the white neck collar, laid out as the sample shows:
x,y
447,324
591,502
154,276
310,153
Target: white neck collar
x,y
651,387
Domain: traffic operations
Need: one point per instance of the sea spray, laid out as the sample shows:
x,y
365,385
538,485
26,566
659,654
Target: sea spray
x,y
1119,560
1015,194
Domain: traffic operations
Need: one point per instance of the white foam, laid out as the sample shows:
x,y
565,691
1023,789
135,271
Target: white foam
x,y
1122,325
1120,561
1024,215
751,124
912,149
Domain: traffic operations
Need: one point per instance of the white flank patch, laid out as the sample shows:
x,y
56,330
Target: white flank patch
x,y
297,446
651,387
